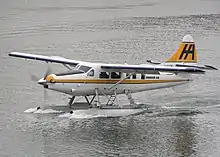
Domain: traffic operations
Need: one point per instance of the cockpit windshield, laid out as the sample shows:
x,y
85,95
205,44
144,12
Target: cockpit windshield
x,y
70,72
84,68
79,70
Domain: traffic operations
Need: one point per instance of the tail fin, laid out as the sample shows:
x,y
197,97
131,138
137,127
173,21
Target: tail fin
x,y
186,52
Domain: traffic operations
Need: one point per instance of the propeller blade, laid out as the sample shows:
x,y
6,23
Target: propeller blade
x,y
48,72
34,78
45,96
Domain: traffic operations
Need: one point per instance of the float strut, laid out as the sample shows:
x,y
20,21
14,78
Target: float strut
x,y
90,102
97,98
117,102
71,101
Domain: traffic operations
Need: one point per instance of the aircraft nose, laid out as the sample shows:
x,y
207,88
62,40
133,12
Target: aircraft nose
x,y
46,80
42,81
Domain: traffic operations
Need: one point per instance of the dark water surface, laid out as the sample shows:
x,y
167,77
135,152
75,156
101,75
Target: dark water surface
x,y
179,124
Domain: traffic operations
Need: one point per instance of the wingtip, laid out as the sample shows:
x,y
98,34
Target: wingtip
x,y
12,53
210,67
195,70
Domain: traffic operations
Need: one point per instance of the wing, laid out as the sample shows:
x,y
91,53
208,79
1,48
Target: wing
x,y
52,59
149,69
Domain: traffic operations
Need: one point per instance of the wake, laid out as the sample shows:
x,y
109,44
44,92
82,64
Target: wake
x,y
86,114
94,113
42,111
153,111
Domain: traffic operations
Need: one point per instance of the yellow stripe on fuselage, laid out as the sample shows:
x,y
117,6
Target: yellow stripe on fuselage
x,y
108,81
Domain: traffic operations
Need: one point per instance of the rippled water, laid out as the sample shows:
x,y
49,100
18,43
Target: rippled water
x,y
175,124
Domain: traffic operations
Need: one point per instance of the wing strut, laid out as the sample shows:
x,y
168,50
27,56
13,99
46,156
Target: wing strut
x,y
120,81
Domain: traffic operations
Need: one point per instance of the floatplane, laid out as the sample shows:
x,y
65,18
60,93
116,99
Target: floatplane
x,y
92,80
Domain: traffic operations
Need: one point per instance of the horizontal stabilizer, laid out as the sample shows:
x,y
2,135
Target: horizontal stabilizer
x,y
209,67
205,67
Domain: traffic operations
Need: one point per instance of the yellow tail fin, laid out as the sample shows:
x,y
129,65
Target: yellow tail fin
x,y
186,52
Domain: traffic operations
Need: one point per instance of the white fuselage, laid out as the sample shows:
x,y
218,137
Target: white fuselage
x,y
86,83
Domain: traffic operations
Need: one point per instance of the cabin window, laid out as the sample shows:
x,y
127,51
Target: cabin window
x,y
142,76
84,68
103,75
115,75
134,76
150,77
91,73
128,76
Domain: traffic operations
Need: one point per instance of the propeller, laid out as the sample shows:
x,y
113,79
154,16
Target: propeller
x,y
34,78
48,71
43,81
45,96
